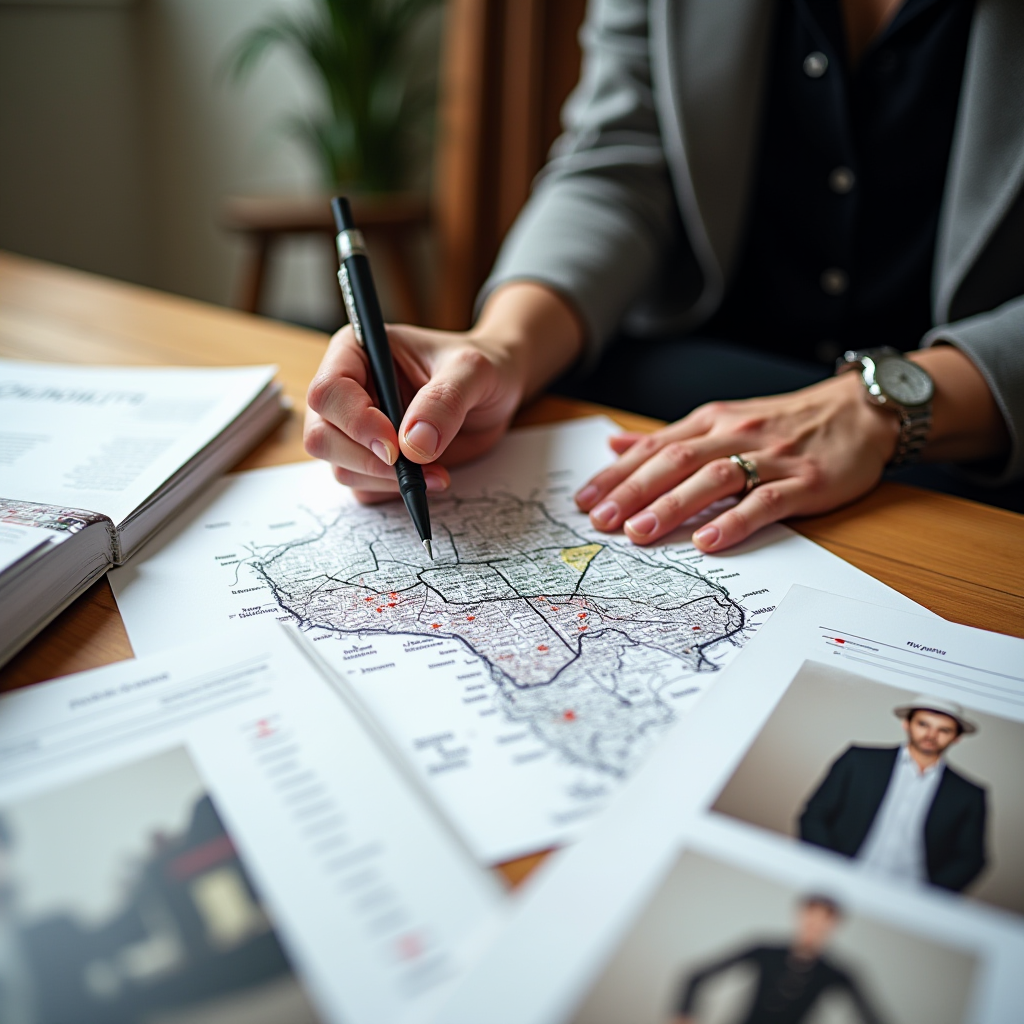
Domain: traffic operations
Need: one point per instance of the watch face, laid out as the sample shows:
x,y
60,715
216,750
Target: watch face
x,y
903,381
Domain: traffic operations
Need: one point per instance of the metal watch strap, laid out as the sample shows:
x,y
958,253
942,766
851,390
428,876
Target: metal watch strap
x,y
914,428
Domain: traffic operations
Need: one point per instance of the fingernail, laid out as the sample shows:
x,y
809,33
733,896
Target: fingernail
x,y
587,495
384,451
423,439
435,481
643,523
604,513
707,536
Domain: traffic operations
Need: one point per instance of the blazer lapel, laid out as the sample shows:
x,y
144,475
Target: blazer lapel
x,y
986,168
708,64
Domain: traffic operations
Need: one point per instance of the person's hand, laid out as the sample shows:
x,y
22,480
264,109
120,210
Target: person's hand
x,y
461,390
814,449
461,396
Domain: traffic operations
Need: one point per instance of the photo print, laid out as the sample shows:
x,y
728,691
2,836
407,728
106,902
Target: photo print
x,y
123,901
912,788
717,944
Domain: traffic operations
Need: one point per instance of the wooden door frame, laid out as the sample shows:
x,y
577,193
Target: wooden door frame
x,y
507,67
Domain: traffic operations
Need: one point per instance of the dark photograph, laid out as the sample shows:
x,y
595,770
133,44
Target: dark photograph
x,y
123,901
911,787
719,945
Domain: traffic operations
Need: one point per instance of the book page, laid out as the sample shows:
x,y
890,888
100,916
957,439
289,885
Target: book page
x,y
105,438
735,827
16,542
530,669
211,834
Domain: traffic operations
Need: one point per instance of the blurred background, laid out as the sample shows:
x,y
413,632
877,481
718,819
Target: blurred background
x,y
190,145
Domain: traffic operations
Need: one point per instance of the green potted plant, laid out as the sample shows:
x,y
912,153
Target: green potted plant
x,y
362,53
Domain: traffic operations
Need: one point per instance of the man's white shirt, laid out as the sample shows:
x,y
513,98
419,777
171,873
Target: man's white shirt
x,y
895,842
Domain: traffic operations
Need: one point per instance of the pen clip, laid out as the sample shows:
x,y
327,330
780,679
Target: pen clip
x,y
350,304
350,243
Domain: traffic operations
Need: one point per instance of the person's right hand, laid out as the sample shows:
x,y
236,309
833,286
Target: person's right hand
x,y
461,390
461,394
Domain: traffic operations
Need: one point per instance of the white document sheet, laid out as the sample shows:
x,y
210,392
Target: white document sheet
x,y
17,542
213,834
700,856
531,668
105,438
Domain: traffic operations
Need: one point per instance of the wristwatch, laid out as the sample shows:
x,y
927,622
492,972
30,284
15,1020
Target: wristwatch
x,y
898,384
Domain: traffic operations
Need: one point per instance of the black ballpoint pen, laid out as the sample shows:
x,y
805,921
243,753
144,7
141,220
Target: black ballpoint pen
x,y
363,308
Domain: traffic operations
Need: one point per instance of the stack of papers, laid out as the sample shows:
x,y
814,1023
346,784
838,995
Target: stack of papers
x,y
94,460
214,834
722,748
723,882
529,670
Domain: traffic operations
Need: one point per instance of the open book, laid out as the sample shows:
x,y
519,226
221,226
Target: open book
x,y
93,460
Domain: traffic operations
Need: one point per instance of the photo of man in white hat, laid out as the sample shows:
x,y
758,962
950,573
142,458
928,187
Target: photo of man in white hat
x,y
903,811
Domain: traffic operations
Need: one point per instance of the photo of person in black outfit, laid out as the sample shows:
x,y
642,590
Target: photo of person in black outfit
x,y
791,977
902,811
770,940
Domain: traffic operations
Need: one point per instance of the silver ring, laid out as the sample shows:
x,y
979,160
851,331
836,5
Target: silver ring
x,y
749,470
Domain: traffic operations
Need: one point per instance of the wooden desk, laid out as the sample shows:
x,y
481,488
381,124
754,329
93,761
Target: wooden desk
x,y
962,560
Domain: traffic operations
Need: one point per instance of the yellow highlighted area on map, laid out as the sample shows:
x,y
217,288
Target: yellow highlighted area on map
x,y
579,558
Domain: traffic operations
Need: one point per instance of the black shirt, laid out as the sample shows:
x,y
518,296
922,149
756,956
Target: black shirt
x,y
787,987
840,238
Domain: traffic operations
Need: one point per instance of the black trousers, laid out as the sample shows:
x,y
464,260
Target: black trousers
x,y
669,377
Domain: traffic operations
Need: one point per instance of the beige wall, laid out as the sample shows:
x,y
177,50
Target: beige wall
x,y
72,181
118,141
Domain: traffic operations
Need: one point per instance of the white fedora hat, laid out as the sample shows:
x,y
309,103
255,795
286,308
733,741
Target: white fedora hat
x,y
922,702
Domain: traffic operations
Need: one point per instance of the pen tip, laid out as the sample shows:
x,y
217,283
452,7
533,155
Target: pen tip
x,y
430,550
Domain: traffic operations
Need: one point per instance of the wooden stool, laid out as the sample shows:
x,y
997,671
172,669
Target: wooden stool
x,y
389,222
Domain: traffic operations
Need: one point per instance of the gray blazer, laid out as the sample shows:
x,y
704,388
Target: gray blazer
x,y
638,217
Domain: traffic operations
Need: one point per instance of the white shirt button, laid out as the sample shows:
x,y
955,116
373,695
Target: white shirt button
x,y
834,281
815,64
841,180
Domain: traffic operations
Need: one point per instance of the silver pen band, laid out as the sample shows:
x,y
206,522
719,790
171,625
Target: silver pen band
x,y
350,243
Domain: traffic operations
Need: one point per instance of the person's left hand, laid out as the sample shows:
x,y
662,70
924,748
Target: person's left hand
x,y
814,449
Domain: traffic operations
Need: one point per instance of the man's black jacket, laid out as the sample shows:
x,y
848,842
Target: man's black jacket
x,y
839,815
